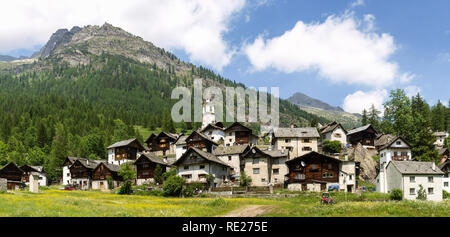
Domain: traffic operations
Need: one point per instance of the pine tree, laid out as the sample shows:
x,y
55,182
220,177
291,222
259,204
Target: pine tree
x,y
364,119
397,114
374,116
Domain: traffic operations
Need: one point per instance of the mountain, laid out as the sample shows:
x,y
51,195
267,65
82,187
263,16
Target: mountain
x,y
324,110
303,100
7,58
113,69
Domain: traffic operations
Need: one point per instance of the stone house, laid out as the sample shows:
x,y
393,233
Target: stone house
x,y
297,141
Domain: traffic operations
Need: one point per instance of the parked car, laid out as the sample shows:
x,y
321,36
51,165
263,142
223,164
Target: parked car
x,y
69,187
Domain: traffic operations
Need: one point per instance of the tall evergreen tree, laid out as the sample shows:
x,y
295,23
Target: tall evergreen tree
x,y
374,116
397,114
364,119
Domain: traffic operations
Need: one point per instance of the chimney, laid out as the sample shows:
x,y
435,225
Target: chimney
x,y
433,166
87,162
165,159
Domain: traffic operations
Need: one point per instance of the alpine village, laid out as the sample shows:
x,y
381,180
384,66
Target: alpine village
x,y
75,113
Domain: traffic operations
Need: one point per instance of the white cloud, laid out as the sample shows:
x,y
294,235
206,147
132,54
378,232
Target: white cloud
x,y
342,49
360,100
357,3
195,26
412,90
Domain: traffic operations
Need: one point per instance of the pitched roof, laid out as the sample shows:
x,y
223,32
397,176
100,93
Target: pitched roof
x,y
181,140
331,127
202,136
313,153
89,163
388,144
174,136
271,153
230,150
416,167
206,155
297,132
152,158
212,126
360,129
440,134
239,125
150,137
383,139
11,164
125,143
112,167
444,164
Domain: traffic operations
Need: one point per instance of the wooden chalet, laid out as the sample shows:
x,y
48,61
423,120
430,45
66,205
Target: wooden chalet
x,y
103,173
123,151
238,134
81,172
313,168
13,174
145,167
365,135
162,143
200,141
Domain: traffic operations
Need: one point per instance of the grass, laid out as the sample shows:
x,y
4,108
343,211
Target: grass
x,y
58,203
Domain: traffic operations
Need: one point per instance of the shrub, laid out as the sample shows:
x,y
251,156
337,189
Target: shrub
x,y
188,191
245,181
173,186
126,188
171,172
396,194
218,202
331,146
158,175
445,194
421,194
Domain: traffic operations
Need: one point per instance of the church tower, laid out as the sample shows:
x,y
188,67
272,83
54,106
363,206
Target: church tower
x,y
208,113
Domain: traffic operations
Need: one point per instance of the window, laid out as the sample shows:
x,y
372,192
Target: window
x,y
255,170
398,143
314,168
276,161
412,179
187,176
68,174
145,173
404,153
330,166
186,167
430,179
412,191
306,148
430,190
276,171
212,138
256,161
287,140
445,184
350,177
202,166
229,158
382,154
338,135
327,175
145,165
307,140
263,180
395,153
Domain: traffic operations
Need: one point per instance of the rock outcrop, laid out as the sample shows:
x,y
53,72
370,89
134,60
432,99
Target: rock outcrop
x,y
368,165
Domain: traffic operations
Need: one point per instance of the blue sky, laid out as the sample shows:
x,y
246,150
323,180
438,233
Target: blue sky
x,y
346,53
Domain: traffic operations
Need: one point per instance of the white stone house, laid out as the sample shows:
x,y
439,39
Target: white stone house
x,y
215,132
298,141
195,164
37,171
409,175
334,132
180,146
209,116
124,151
440,138
232,156
396,149
265,167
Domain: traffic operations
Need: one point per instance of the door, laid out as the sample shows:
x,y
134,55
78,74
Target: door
x,y
349,188
102,186
323,187
304,187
